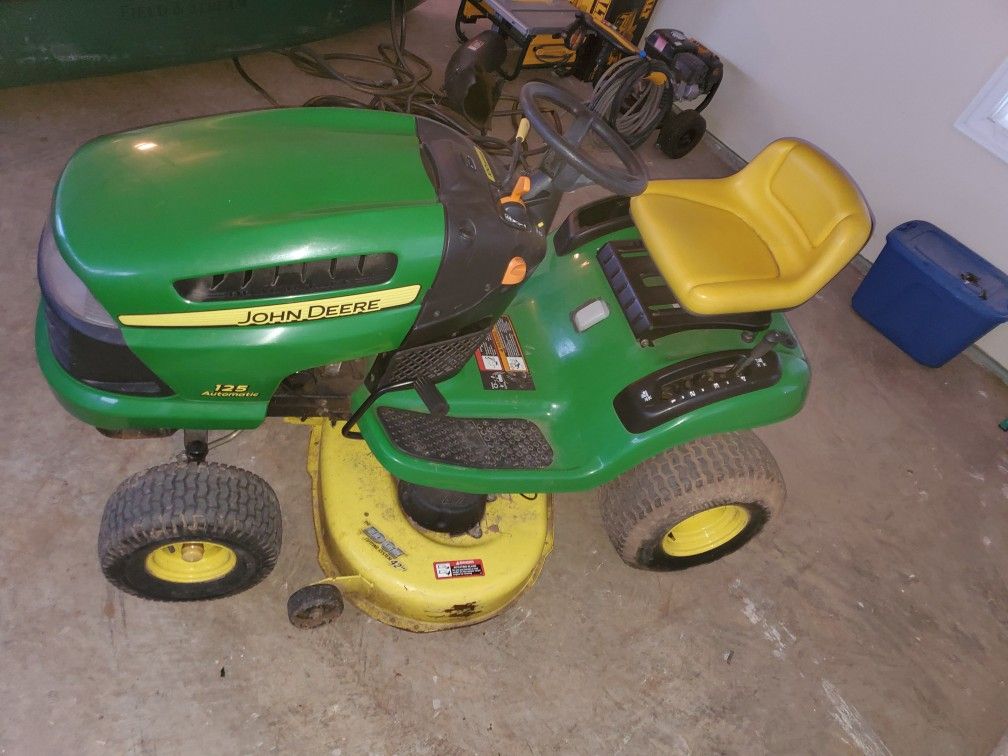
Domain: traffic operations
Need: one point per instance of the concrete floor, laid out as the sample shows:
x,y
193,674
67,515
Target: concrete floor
x,y
871,617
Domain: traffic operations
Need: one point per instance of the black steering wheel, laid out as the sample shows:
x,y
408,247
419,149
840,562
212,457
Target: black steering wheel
x,y
629,178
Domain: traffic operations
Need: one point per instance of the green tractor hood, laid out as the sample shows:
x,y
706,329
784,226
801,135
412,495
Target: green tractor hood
x,y
138,211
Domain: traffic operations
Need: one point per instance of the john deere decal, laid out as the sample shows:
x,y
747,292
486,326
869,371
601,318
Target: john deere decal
x,y
318,309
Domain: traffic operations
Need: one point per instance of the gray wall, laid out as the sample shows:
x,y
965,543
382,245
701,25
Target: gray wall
x,y
878,84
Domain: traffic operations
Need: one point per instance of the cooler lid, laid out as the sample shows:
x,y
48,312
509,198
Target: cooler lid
x,y
969,277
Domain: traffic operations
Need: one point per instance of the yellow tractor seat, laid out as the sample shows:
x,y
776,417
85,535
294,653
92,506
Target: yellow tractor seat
x,y
767,238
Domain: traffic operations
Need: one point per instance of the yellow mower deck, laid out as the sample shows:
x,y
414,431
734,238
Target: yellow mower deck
x,y
407,577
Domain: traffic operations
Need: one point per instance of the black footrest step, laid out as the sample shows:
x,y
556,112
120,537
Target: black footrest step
x,y
483,443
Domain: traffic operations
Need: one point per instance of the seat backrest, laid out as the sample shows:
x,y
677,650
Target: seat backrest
x,y
813,211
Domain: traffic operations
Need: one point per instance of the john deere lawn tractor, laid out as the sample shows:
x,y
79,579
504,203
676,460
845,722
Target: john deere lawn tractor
x,y
380,279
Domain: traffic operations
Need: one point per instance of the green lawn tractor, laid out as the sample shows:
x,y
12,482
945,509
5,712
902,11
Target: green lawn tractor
x,y
378,278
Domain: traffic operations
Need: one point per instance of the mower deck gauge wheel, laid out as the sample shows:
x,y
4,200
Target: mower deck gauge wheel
x,y
314,606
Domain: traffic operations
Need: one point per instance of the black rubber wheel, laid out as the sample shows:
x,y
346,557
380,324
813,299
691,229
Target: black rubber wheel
x,y
440,510
731,481
184,531
314,606
681,132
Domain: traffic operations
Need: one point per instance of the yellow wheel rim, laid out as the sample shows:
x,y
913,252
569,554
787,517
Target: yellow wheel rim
x,y
706,530
190,562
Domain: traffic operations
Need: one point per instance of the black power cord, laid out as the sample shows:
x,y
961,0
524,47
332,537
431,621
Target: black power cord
x,y
253,83
404,88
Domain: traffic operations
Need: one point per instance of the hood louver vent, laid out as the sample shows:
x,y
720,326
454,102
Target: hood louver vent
x,y
313,277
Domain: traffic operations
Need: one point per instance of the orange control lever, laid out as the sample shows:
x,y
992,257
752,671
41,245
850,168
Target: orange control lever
x,y
522,187
515,272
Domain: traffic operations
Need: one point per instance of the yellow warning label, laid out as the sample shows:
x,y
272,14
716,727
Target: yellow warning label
x,y
485,163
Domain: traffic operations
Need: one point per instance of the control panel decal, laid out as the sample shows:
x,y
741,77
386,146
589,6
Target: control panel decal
x,y
678,389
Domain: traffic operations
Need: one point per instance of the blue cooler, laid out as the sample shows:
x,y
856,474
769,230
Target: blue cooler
x,y
931,295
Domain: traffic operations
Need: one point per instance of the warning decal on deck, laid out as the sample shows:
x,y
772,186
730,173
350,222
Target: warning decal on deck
x,y
501,361
458,568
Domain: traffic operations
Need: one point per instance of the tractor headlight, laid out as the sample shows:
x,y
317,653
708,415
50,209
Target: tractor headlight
x,y
83,338
68,295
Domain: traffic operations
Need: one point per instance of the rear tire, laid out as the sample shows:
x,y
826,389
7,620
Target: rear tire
x,y
694,503
184,531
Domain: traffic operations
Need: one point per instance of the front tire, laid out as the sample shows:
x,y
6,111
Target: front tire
x,y
694,503
184,531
